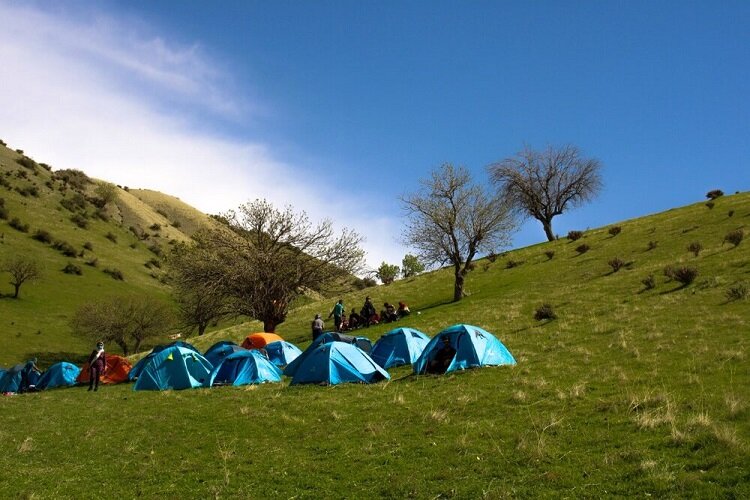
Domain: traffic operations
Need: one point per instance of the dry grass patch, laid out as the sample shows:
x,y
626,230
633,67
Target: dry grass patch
x,y
735,405
26,445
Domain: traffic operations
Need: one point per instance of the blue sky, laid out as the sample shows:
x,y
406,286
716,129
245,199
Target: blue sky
x,y
339,107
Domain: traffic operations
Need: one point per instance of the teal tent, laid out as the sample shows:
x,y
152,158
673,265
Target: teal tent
x,y
281,352
401,346
468,347
136,370
220,350
59,375
244,367
337,363
174,368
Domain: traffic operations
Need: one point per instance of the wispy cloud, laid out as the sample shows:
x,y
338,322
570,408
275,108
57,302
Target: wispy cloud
x,y
113,99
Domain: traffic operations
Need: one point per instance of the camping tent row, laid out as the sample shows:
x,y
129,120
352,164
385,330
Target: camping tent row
x,y
332,358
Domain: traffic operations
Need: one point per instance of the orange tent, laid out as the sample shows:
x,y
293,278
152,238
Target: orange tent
x,y
259,340
116,372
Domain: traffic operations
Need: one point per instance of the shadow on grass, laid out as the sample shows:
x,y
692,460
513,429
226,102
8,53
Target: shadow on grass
x,y
47,359
666,292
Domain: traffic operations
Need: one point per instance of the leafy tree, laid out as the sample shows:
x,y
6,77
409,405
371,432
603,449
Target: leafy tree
x,y
123,320
411,266
21,270
105,192
451,219
264,258
543,184
387,273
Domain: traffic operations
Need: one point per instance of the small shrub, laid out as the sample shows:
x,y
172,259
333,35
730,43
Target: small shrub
x,y
2,202
19,151
710,204
649,282
74,203
550,254
111,237
21,174
65,248
730,213
153,262
737,292
45,167
492,256
512,263
27,162
545,311
16,224
156,249
43,236
669,271
616,264
695,247
80,221
734,237
162,213
89,246
582,249
3,213
72,269
75,178
155,227
685,274
102,214
575,235
176,224
651,245
615,230
115,274
4,182
714,193
93,262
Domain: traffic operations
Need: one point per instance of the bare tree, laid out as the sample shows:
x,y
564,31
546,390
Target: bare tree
x,y
545,184
450,220
123,320
265,258
21,270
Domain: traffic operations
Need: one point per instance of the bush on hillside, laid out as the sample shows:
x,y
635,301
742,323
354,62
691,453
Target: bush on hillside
x,y
19,151
545,311
28,191
176,224
714,193
616,264
730,213
27,162
111,237
5,183
734,237
710,204
685,274
156,249
93,262
89,246
16,224
74,203
669,270
74,178
649,282
155,227
3,213
615,230
737,292
550,254
492,256
65,248
101,214
80,221
115,273
45,167
153,263
43,236
582,249
71,268
695,248
651,245
575,235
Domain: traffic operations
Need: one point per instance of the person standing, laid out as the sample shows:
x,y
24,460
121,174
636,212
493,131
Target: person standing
x,y
317,327
368,313
337,313
97,365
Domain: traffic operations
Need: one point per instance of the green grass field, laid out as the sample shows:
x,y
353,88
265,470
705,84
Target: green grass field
x,y
628,392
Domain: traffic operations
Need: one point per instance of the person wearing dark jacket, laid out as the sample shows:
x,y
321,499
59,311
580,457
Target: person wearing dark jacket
x,y
97,365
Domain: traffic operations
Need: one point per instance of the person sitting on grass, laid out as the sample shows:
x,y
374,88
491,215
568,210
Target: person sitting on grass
x,y
388,314
368,313
403,310
355,320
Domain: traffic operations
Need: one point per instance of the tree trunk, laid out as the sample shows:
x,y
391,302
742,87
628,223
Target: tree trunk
x,y
269,325
458,287
15,295
137,346
202,328
548,229
123,346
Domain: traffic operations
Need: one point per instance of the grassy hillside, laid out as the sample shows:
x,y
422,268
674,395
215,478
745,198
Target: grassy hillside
x,y
630,391
98,239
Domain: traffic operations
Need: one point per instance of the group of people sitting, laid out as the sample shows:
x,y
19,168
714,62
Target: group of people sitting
x,y
367,316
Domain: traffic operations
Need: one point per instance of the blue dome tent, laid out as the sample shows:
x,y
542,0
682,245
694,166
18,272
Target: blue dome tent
x,y
471,347
362,343
336,363
136,370
400,346
59,375
242,368
174,368
220,350
12,379
281,352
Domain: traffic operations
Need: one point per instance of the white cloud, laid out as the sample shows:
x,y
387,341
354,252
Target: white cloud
x,y
92,96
